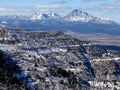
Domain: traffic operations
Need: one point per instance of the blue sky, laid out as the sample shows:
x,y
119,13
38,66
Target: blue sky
x,y
102,8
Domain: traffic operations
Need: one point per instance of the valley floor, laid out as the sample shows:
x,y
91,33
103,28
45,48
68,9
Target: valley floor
x,y
97,38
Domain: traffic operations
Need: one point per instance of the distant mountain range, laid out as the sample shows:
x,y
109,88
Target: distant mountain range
x,y
77,21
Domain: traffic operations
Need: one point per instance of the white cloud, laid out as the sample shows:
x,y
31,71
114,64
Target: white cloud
x,y
48,6
2,9
60,2
94,0
57,8
113,6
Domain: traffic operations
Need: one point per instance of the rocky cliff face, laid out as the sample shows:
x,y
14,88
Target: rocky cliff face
x,y
51,60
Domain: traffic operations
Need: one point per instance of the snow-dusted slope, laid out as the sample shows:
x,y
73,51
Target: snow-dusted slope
x,y
11,76
42,16
51,60
78,15
36,16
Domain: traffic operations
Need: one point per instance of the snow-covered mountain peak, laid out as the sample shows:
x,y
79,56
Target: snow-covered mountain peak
x,y
81,16
77,20
47,15
52,14
78,15
78,12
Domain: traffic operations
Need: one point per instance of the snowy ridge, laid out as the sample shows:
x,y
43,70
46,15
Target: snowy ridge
x,y
40,16
78,15
77,21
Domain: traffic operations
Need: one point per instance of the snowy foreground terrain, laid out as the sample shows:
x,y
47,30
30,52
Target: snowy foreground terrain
x,y
51,60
